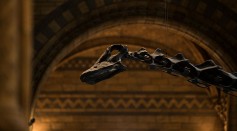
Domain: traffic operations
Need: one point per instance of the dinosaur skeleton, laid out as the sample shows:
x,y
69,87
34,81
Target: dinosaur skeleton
x,y
203,75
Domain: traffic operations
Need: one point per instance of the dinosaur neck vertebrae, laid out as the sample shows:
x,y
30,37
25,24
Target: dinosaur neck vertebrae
x,y
203,75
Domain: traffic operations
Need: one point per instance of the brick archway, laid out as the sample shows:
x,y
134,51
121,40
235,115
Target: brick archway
x,y
76,18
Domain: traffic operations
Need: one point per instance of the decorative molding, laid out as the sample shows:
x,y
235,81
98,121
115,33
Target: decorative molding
x,y
115,102
221,107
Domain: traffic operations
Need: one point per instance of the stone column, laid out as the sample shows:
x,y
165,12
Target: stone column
x,y
232,117
15,48
25,53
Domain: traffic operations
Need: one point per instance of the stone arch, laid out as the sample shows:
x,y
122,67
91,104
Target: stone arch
x,y
76,18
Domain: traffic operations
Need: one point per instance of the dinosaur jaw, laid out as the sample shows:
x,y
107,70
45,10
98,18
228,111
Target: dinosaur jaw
x,y
101,71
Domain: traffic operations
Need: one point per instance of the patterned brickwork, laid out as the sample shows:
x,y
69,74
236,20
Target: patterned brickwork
x,y
202,7
124,103
44,7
